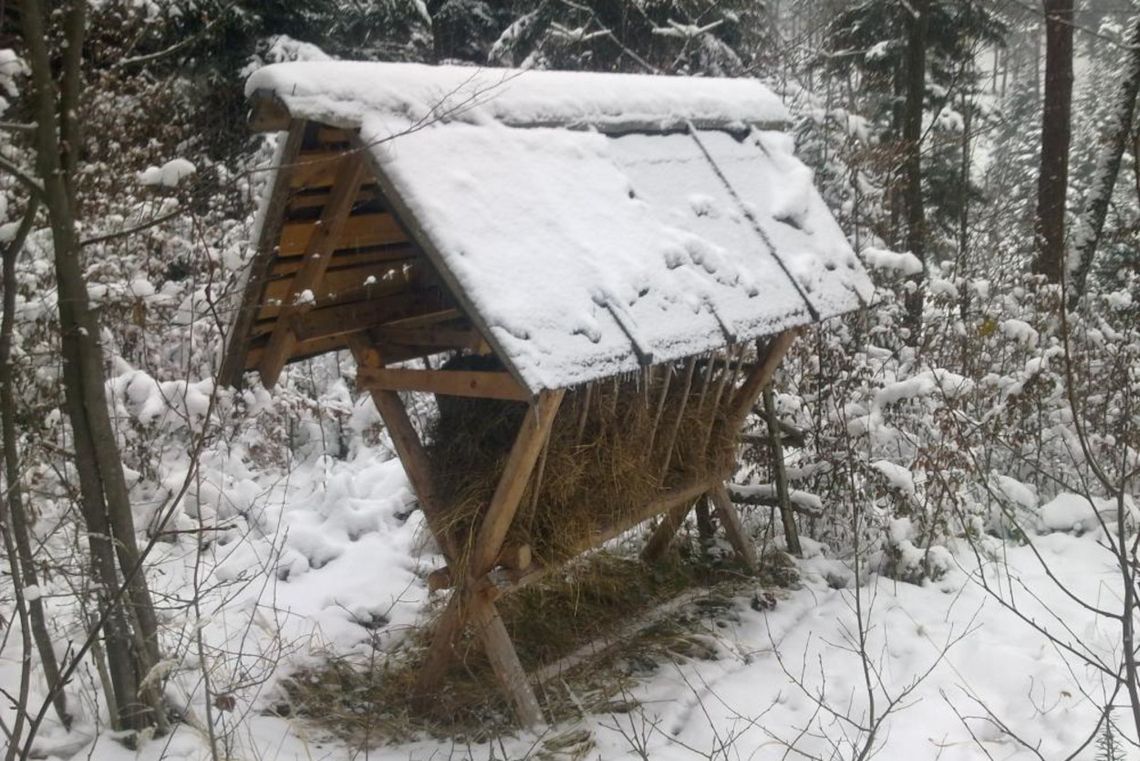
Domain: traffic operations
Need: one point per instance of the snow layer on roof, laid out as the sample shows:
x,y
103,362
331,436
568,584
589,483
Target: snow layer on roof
x,y
343,92
591,252
587,255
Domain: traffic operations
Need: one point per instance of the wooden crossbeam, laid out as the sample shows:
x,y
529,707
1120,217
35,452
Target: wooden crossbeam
x,y
318,252
354,258
359,231
471,383
349,284
443,337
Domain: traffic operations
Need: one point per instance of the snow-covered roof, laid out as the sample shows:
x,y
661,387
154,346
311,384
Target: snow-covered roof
x,y
593,223
345,93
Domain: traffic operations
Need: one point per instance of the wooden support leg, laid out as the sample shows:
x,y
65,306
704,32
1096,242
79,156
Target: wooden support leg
x,y
442,650
505,662
730,519
663,535
705,527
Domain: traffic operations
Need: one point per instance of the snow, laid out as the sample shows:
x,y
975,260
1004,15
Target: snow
x,y
169,175
1074,512
881,259
585,252
898,477
344,93
759,690
1019,331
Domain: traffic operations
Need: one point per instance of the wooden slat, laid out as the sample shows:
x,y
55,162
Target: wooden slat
x,y
424,320
443,336
235,360
354,316
315,169
302,201
352,258
302,350
378,229
516,473
471,383
348,284
319,245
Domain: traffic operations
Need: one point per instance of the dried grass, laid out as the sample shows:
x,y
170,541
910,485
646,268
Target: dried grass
x,y
604,462
594,600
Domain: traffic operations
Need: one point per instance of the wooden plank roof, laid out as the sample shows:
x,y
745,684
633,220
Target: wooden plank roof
x,y
580,225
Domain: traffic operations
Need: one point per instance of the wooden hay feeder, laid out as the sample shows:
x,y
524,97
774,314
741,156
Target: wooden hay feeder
x,y
419,211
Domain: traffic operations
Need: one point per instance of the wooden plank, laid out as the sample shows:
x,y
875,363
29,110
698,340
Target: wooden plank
x,y
348,284
444,337
302,350
316,168
470,383
268,113
354,316
733,528
516,473
662,536
373,229
424,320
234,360
318,250
362,257
505,663
405,441
441,651
758,378
369,194
500,582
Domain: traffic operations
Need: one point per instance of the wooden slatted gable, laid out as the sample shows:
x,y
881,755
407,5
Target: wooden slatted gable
x,y
313,290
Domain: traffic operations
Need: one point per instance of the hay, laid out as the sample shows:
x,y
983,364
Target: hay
x,y
371,703
613,448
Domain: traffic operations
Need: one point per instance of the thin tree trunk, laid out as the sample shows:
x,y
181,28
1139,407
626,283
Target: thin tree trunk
x,y
1053,180
1089,226
17,515
919,22
131,630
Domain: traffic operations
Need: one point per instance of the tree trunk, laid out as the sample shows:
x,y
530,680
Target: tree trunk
x,y
1090,225
1053,180
919,22
131,629
17,516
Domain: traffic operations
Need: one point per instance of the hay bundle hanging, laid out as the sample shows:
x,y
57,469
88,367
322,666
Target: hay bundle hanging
x,y
614,447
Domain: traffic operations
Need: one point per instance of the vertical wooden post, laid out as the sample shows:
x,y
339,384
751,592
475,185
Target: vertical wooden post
x,y
776,447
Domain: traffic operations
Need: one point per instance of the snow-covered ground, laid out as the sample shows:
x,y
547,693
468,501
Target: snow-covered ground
x,y
333,561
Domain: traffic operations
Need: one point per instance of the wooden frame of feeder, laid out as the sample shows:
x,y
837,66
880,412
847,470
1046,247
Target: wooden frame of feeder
x,y
334,221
